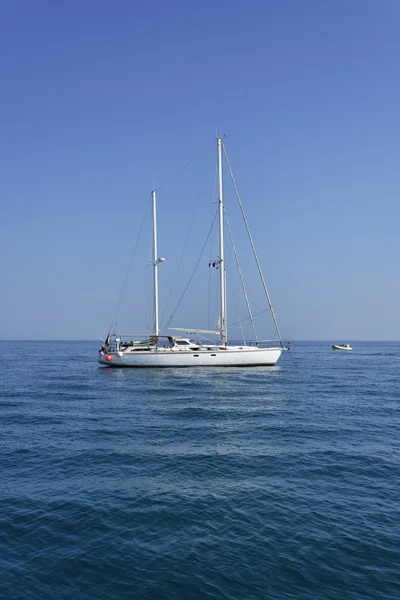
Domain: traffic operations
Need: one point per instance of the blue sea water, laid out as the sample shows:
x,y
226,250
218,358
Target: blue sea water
x,y
262,483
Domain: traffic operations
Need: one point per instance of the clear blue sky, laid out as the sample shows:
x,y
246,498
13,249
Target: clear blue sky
x,y
98,99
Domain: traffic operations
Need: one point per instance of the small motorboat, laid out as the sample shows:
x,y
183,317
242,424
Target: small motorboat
x,y
342,347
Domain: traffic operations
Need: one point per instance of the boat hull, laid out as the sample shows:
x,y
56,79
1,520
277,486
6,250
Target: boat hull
x,y
335,347
248,357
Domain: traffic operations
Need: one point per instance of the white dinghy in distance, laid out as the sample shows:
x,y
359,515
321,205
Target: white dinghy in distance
x,y
181,351
342,347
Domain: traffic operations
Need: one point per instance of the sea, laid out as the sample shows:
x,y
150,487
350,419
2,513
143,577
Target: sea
x,y
254,483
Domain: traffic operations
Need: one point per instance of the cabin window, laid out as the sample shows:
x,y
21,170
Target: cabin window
x,y
140,350
181,343
196,355
213,355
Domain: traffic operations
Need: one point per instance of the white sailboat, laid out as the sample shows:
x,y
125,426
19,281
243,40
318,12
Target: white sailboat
x,y
155,350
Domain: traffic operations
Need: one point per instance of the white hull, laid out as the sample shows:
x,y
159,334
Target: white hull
x,y
337,347
231,357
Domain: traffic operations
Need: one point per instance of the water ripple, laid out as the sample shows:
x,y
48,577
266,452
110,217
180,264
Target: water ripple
x,y
251,484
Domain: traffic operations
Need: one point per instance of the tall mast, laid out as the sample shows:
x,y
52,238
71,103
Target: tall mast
x,y
155,263
221,244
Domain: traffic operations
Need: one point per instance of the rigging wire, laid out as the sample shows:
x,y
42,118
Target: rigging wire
x,y
237,310
175,174
130,264
256,315
193,273
183,251
247,318
241,279
179,171
253,247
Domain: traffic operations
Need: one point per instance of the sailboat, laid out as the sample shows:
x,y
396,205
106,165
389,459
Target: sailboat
x,y
155,350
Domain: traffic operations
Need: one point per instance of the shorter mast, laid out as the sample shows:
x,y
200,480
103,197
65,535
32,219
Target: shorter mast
x,y
155,263
221,244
